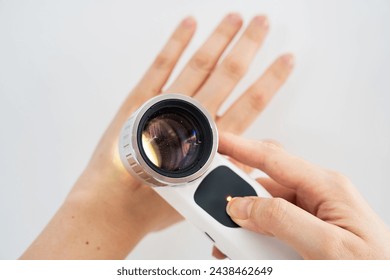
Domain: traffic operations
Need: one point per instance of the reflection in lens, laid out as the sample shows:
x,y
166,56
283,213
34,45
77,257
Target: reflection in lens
x,y
171,142
150,150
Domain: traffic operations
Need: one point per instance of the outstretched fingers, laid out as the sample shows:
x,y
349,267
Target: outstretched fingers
x,y
204,60
254,100
158,73
234,66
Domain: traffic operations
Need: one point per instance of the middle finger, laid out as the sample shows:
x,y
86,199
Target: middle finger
x,y
233,67
202,63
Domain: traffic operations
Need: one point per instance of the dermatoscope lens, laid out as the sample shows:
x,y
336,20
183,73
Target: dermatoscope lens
x,y
175,137
171,141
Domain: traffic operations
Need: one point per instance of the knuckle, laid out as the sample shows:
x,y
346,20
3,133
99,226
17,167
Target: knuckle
x,y
163,61
202,61
275,213
254,35
326,209
257,100
273,144
266,157
256,209
223,31
260,161
338,178
277,73
234,67
278,209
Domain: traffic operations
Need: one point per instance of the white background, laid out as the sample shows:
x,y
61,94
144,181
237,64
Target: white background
x,y
65,67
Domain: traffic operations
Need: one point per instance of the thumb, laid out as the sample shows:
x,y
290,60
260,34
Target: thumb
x,y
282,219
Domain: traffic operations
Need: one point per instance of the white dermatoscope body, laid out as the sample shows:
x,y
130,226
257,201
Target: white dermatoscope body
x,y
171,143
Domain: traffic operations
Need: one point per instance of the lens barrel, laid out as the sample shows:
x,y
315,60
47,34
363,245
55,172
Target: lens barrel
x,y
169,140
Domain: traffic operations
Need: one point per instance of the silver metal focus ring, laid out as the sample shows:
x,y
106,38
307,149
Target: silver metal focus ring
x,y
128,158
131,156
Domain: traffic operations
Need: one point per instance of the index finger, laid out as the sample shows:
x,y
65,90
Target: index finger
x,y
160,70
286,169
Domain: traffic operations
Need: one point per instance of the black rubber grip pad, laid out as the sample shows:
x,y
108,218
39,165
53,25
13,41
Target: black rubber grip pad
x,y
213,191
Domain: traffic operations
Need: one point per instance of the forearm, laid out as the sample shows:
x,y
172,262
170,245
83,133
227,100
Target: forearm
x,y
91,225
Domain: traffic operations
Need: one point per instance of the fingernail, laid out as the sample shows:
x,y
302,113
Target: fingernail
x,y
240,207
261,21
288,59
234,18
188,22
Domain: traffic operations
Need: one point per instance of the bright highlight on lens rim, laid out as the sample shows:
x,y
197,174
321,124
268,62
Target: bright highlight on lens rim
x,y
170,139
150,150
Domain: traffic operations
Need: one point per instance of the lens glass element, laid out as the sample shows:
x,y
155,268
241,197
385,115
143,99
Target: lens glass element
x,y
172,139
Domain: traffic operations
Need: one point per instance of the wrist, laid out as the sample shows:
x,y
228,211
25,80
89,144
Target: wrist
x,y
92,223
108,212
118,197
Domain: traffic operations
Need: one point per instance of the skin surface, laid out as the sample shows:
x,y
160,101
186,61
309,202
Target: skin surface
x,y
318,212
108,211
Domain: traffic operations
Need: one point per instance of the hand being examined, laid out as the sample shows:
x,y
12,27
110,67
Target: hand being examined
x,y
108,211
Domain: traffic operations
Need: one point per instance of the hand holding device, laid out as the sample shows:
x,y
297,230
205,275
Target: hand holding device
x,y
123,210
170,143
318,212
